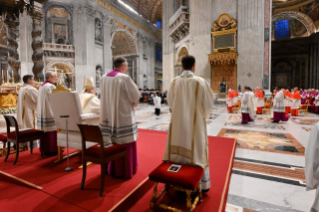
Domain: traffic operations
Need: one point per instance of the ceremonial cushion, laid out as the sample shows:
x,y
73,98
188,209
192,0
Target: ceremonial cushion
x,y
95,150
236,105
267,106
187,177
3,137
303,107
26,133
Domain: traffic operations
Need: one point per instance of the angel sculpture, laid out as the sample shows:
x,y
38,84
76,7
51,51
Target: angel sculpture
x,y
62,79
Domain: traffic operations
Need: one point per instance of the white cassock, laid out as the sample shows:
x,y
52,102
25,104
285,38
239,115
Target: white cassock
x,y
279,105
119,95
90,103
157,102
191,101
245,108
45,117
27,107
252,105
312,165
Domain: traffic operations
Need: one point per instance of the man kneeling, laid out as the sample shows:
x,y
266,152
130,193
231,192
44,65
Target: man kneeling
x,y
191,101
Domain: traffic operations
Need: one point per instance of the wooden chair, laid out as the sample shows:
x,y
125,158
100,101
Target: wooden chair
x,y
304,108
23,136
267,105
98,153
237,106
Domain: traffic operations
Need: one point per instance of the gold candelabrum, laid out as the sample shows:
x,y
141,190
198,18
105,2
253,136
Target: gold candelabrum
x,y
8,80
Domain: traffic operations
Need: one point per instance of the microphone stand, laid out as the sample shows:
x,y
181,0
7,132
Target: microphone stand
x,y
67,169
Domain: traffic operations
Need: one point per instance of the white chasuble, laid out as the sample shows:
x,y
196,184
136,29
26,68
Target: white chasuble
x,y
245,108
45,117
312,165
90,103
279,105
27,107
119,95
191,101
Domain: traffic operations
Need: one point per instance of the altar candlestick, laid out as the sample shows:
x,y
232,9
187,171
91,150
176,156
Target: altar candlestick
x,y
8,76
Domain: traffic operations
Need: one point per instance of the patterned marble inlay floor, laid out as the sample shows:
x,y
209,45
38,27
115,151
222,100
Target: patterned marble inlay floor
x,y
264,141
305,121
260,118
254,125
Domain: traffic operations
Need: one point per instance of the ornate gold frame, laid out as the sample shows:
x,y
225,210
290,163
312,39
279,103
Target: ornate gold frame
x,y
225,32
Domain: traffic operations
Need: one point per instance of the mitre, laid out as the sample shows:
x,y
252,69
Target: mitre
x,y
88,83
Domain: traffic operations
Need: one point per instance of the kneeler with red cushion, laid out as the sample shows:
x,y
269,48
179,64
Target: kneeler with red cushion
x,y
186,179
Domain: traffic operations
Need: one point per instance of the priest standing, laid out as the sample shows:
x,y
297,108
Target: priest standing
x,y
312,165
296,101
90,103
119,95
246,106
191,100
45,117
27,104
279,107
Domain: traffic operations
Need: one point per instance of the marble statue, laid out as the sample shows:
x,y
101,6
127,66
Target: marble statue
x,y
98,76
222,86
62,78
98,30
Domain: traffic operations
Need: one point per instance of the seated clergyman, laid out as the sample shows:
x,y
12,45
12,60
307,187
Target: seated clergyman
x,y
90,103
191,101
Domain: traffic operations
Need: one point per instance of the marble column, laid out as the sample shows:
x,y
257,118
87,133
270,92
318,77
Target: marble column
x,y
168,44
37,44
108,63
267,46
12,23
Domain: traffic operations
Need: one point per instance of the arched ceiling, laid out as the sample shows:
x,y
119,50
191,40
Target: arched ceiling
x,y
123,44
149,9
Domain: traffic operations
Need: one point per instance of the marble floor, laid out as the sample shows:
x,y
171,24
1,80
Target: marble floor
x,y
268,173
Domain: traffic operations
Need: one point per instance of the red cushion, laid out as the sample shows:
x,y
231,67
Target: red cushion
x,y
266,106
26,133
187,177
95,150
3,137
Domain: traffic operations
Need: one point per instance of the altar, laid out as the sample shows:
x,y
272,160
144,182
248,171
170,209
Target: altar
x,y
8,96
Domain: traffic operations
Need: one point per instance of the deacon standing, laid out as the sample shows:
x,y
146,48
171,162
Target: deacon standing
x,y
45,117
119,95
27,104
296,101
157,103
279,107
260,100
312,165
90,103
191,100
246,106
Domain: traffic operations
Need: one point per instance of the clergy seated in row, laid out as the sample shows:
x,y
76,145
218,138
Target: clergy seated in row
x,y
260,100
191,100
27,104
296,101
312,165
90,103
247,106
119,96
45,118
279,107
317,104
230,101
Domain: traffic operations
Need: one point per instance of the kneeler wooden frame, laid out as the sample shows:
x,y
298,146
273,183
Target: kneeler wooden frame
x,y
190,206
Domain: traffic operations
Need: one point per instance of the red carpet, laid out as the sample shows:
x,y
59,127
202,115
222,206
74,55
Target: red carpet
x,y
61,189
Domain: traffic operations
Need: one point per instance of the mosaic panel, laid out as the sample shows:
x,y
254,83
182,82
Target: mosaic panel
x,y
264,141
305,121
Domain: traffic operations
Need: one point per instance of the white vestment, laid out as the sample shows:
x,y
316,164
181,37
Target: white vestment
x,y
312,165
260,102
252,105
119,95
157,102
90,103
295,104
191,101
27,107
245,103
287,102
279,105
317,100
230,101
45,117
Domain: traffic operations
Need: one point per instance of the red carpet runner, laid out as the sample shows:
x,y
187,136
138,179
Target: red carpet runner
x,y
61,189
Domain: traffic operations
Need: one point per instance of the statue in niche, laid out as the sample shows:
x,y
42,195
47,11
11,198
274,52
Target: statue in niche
x,y
62,78
98,30
222,86
98,75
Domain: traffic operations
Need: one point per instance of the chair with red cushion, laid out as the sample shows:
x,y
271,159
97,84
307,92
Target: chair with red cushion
x,y
186,179
20,136
99,153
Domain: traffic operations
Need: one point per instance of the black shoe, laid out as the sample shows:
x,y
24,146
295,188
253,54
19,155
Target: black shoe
x,y
205,190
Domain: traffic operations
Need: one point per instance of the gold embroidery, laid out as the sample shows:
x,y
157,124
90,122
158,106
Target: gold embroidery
x,y
23,104
186,76
194,124
178,150
170,127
